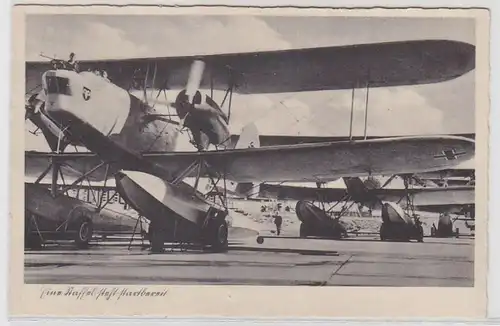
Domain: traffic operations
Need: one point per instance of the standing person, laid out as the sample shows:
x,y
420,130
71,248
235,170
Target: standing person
x,y
277,221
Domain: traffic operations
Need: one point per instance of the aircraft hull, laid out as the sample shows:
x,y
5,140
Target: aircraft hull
x,y
397,225
162,202
309,213
315,222
393,213
444,228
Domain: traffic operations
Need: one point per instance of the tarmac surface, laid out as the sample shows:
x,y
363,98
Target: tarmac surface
x,y
359,261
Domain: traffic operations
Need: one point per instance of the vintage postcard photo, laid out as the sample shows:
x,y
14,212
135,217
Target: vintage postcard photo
x,y
277,162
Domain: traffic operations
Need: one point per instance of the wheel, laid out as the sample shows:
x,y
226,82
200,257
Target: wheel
x,y
260,240
304,231
84,233
32,239
80,222
216,234
383,231
420,234
156,238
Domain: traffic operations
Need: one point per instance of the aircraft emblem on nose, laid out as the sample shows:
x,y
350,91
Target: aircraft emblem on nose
x,y
86,93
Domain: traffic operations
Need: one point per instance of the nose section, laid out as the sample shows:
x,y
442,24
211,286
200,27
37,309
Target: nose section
x,y
59,88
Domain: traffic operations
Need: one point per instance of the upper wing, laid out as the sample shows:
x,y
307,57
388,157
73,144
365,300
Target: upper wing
x,y
311,69
326,161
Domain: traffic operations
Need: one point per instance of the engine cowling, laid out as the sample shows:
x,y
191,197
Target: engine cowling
x,y
204,118
55,138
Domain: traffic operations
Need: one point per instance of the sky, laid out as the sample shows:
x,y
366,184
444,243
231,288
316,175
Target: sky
x,y
411,110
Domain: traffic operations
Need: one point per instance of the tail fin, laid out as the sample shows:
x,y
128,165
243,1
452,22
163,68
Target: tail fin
x,y
356,188
249,137
246,189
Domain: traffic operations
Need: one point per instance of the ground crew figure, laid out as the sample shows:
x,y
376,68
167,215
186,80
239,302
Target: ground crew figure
x,y
277,221
433,230
71,64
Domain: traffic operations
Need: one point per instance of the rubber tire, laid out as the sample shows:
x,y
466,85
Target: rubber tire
x,y
84,231
156,238
31,240
304,230
216,235
383,232
420,234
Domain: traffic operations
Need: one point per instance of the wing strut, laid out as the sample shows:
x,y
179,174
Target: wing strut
x,y
352,114
366,108
351,121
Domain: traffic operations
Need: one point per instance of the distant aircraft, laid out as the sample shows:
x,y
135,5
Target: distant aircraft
x,y
316,221
129,139
69,218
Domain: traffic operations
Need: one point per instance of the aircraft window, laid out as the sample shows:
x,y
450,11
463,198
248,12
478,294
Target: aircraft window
x,y
58,85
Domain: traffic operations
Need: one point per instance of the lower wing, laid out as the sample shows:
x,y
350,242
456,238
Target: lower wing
x,y
323,162
319,162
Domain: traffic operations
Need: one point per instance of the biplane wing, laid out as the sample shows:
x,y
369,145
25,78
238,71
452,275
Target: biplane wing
x,y
421,196
437,199
310,69
448,173
72,165
316,162
329,161
451,199
275,140
461,195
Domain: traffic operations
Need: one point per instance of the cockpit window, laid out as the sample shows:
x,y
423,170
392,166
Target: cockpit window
x,y
58,85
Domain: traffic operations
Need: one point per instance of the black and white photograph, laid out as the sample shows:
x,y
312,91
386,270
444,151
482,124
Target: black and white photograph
x,y
256,150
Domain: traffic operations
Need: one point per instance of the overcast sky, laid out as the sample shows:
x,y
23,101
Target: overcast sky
x,y
427,109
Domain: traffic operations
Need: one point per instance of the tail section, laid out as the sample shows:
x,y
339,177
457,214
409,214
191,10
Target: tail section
x,y
249,137
246,189
356,189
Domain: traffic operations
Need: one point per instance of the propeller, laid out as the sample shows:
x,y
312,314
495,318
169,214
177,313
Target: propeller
x,y
191,95
31,107
194,80
186,98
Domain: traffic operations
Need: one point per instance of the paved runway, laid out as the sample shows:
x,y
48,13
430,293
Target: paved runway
x,y
356,262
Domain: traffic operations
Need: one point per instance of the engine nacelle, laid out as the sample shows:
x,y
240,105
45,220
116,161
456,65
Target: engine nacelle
x,y
54,135
204,118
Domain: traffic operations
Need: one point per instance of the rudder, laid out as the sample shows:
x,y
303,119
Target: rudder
x,y
249,137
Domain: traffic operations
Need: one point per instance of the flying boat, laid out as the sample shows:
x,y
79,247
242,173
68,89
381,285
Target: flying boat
x,y
132,141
